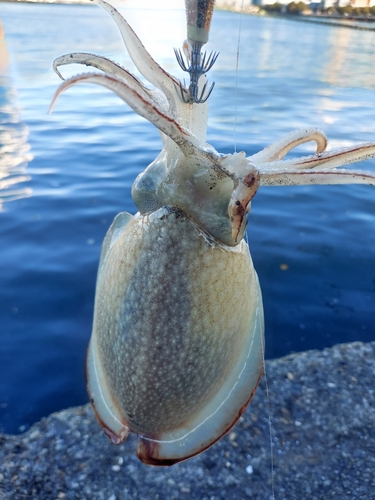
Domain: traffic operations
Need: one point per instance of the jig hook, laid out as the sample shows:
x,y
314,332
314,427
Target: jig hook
x,y
199,15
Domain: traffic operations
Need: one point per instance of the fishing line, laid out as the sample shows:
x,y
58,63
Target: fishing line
x,y
236,88
270,429
246,239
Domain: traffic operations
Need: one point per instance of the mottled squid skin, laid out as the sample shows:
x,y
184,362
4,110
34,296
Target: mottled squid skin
x,y
177,346
174,313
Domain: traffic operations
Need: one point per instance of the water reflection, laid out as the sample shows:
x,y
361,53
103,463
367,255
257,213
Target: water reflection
x,y
340,46
350,59
14,148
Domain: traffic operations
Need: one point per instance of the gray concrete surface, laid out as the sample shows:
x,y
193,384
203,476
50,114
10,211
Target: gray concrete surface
x,y
322,414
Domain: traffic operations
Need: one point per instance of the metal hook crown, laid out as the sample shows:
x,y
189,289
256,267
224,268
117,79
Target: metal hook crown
x,y
198,66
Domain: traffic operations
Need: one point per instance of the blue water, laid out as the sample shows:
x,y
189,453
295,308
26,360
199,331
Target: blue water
x,y
63,177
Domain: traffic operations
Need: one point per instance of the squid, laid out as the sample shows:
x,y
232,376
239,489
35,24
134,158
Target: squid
x,y
177,346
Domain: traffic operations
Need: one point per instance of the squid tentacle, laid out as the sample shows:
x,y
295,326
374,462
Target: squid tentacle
x,y
112,68
279,149
141,104
146,65
331,159
305,177
98,62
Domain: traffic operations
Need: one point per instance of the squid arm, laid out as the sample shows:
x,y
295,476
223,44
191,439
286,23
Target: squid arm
x,y
109,67
305,177
331,159
279,149
145,64
98,62
320,169
139,101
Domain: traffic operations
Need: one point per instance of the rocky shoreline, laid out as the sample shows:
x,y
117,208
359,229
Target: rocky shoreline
x,y
359,22
322,414
342,22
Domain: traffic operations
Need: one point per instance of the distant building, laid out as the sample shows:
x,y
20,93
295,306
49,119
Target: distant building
x,y
270,2
315,5
325,4
361,3
233,4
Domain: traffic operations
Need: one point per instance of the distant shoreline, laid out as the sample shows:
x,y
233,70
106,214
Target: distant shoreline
x,y
342,22
330,20
367,23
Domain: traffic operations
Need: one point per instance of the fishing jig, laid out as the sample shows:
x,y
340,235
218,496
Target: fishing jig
x,y
199,16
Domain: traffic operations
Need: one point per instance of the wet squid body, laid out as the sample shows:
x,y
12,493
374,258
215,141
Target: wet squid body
x,y
177,345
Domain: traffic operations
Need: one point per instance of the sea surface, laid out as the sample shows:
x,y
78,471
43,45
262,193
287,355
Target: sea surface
x,y
64,176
